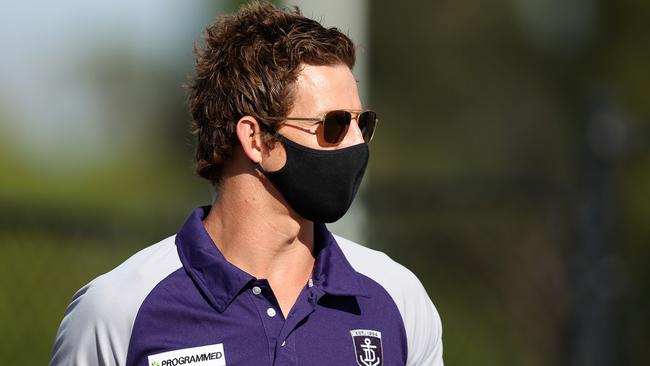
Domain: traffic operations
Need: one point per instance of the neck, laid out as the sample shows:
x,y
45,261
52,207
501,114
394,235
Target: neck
x,y
256,232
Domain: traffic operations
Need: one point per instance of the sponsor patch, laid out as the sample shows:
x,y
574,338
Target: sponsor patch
x,y
210,355
367,346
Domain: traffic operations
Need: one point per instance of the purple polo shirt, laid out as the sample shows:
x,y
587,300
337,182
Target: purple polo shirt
x,y
180,302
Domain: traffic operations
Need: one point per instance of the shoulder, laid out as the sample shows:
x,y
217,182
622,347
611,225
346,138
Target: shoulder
x,y
403,286
120,291
97,324
421,319
376,265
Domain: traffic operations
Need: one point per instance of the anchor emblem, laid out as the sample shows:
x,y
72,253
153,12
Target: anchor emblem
x,y
367,345
369,359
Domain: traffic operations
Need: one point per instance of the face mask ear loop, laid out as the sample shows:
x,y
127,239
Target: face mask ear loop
x,y
259,168
275,135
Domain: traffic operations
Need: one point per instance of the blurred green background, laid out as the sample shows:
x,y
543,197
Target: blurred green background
x,y
510,170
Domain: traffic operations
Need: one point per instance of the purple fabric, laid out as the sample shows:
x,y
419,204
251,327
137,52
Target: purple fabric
x,y
210,301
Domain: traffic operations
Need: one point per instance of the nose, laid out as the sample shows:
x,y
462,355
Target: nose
x,y
353,136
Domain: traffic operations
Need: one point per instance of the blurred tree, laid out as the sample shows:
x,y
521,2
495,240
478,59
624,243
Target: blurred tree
x,y
479,175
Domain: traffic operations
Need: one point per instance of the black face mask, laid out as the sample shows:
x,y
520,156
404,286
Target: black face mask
x,y
319,184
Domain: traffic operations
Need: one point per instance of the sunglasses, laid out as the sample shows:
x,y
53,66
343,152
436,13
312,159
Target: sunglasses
x,y
335,124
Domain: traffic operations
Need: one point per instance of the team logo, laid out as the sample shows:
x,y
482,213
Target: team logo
x,y
367,346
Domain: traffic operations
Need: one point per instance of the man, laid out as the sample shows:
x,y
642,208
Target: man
x,y
257,279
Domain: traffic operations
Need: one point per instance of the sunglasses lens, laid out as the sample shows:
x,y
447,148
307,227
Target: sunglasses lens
x,y
335,125
367,121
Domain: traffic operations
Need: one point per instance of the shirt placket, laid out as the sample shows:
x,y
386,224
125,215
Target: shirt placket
x,y
269,313
286,352
280,331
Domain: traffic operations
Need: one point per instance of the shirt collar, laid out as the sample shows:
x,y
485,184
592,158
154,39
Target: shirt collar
x,y
332,271
220,281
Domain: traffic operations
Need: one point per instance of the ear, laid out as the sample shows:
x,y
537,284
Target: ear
x,y
250,137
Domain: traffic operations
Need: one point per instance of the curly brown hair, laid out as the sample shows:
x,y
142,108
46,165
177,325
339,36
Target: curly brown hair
x,y
248,66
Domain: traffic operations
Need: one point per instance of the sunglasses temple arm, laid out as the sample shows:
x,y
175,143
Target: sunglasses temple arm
x,y
304,119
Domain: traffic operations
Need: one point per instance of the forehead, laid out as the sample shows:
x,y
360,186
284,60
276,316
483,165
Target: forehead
x,y
323,88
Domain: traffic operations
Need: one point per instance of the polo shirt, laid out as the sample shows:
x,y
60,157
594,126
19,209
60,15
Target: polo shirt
x,y
180,302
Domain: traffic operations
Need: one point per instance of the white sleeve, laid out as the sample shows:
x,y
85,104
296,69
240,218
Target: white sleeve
x,y
421,320
96,327
423,330
86,337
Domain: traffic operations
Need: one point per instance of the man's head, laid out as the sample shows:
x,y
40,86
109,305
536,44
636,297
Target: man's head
x,y
250,65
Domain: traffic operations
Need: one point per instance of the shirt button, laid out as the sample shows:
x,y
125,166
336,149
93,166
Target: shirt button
x,y
257,290
270,312
283,343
